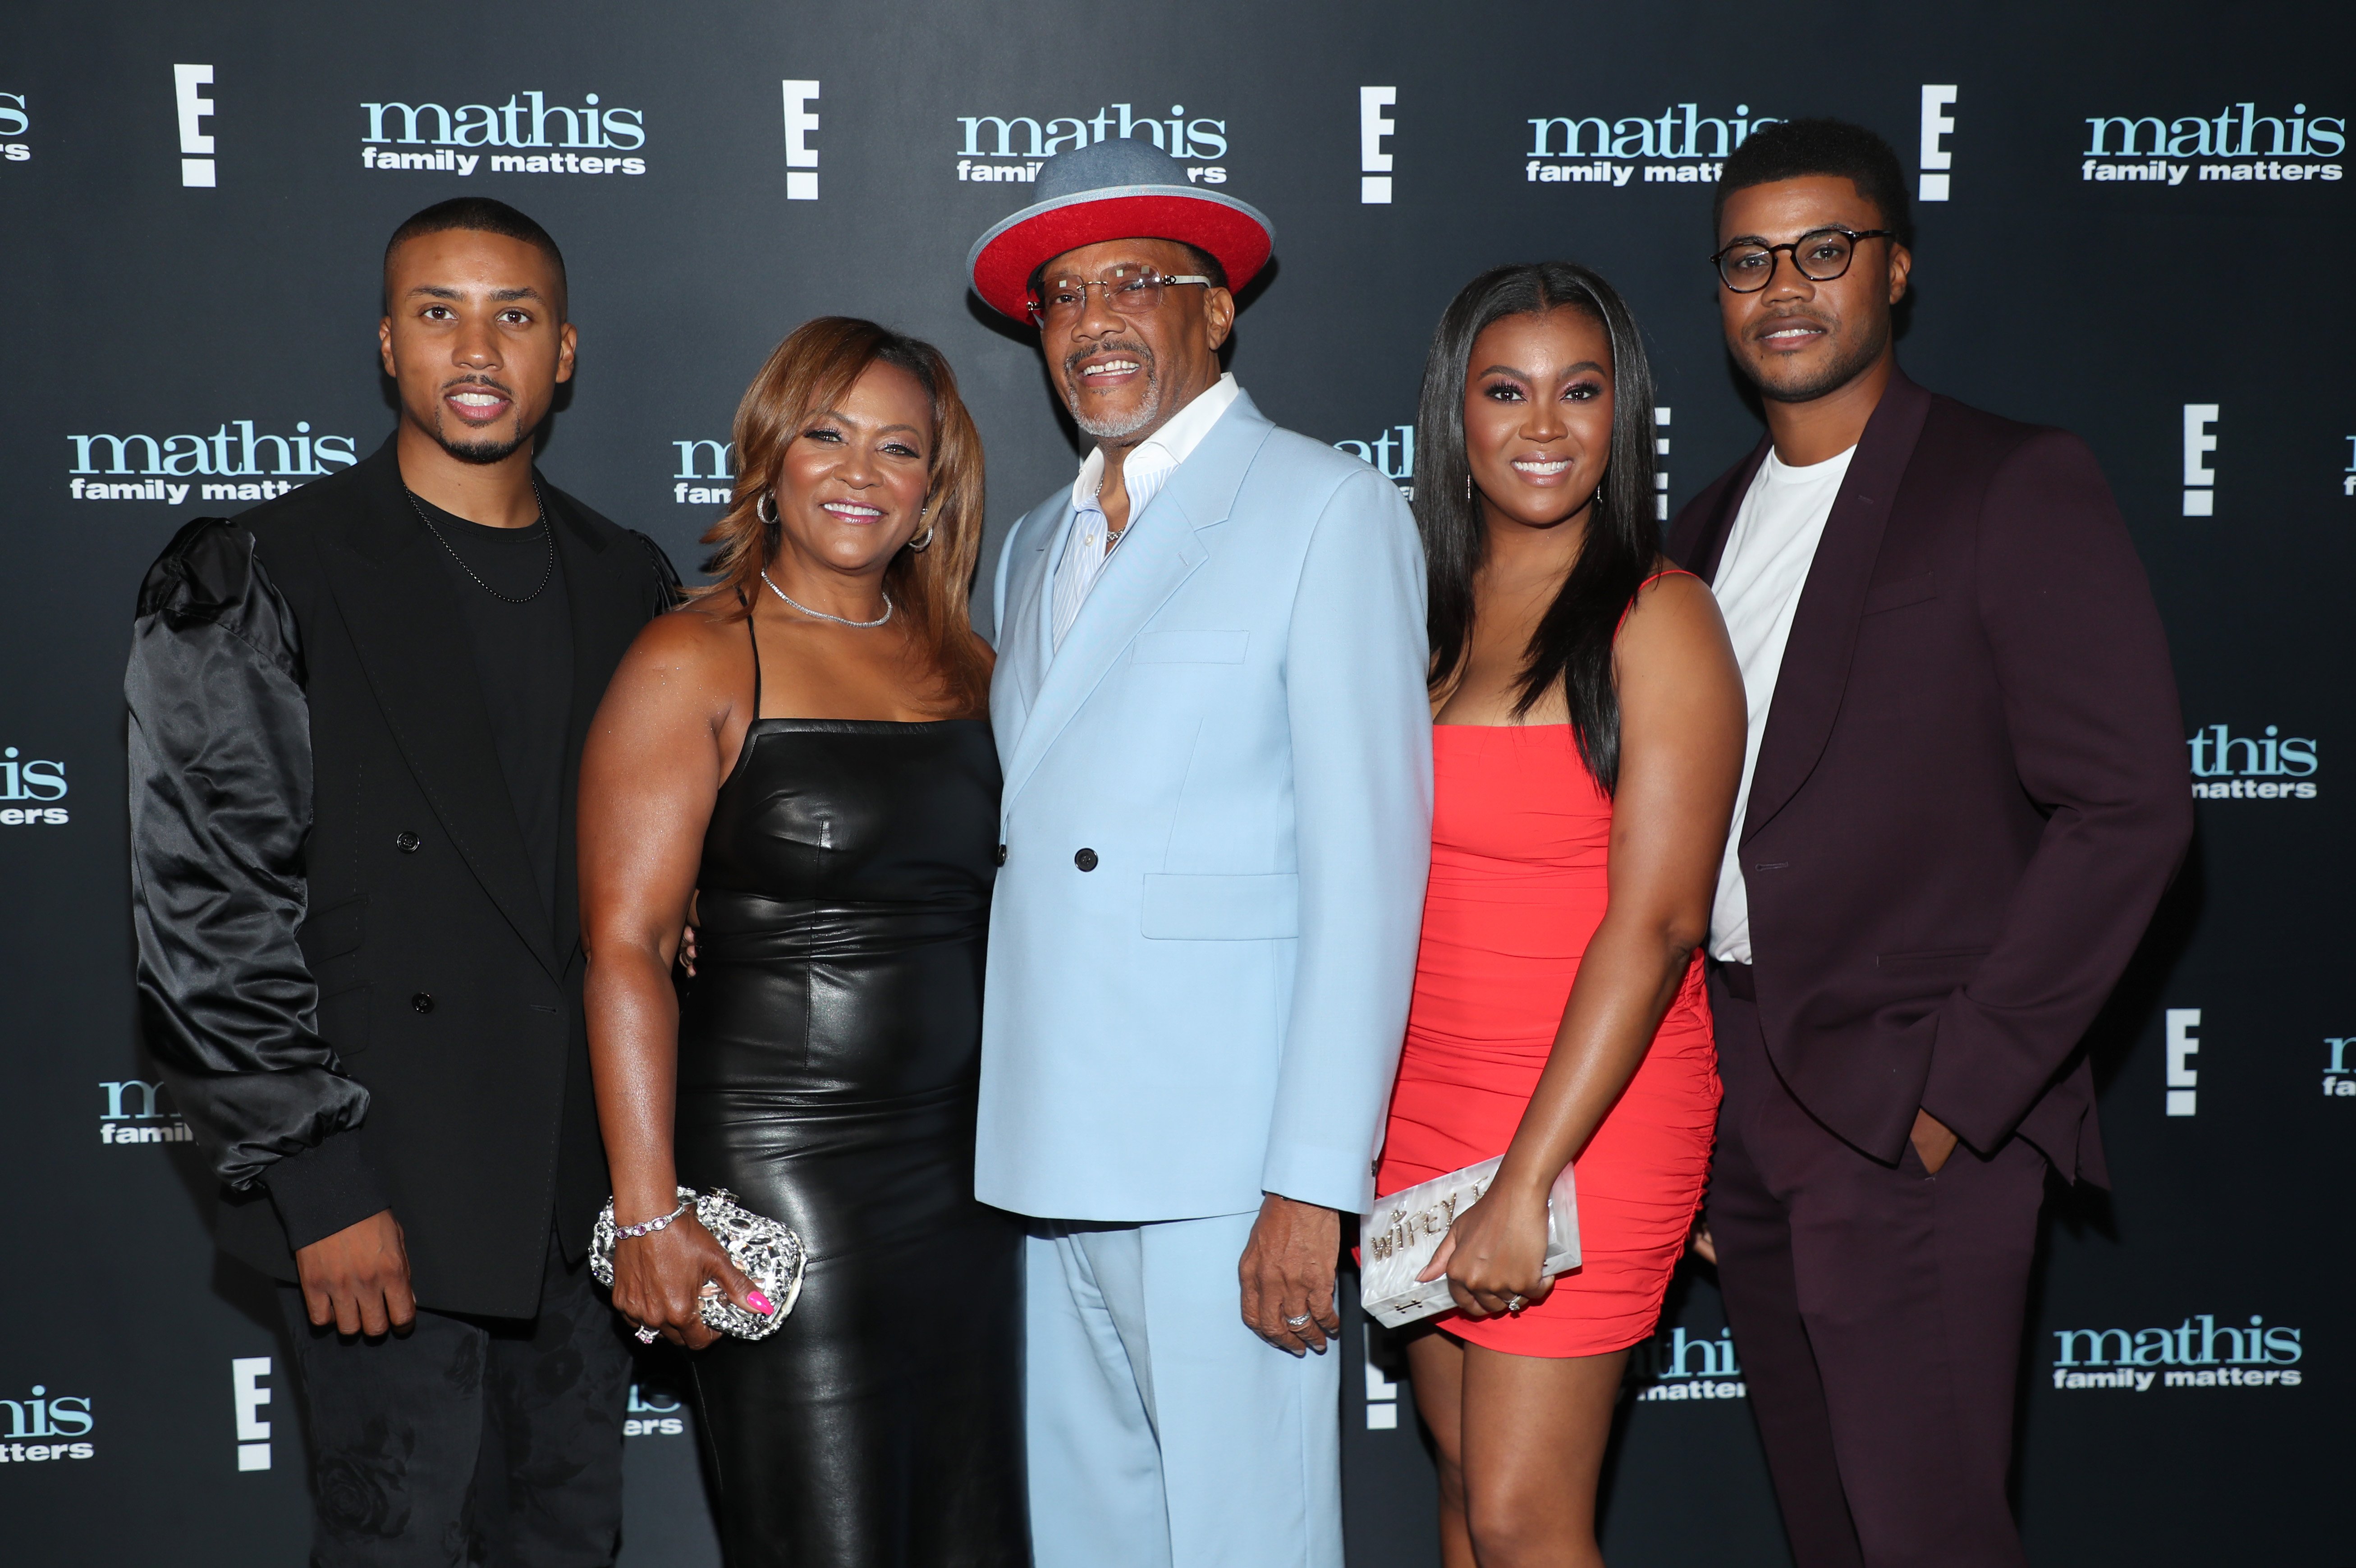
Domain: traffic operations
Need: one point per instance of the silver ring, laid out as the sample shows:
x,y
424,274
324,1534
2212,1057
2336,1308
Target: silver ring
x,y
1297,1323
1515,1304
647,1335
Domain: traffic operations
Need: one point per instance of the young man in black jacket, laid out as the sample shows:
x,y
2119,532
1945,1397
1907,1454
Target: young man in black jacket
x,y
356,723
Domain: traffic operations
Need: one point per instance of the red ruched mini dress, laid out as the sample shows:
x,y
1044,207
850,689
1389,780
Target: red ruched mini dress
x,y
1520,845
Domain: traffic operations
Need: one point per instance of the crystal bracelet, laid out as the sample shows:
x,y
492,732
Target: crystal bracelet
x,y
648,1227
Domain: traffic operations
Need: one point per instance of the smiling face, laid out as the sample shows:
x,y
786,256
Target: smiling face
x,y
851,489
1537,416
1123,376
1799,340
473,335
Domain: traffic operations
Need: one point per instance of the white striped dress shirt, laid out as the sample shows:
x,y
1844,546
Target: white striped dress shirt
x,y
1149,465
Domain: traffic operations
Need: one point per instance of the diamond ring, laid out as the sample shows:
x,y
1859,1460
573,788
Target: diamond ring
x,y
647,1335
1297,1323
1515,1304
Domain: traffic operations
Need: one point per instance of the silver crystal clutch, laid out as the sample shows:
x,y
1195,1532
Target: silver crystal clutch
x,y
765,1251
1398,1237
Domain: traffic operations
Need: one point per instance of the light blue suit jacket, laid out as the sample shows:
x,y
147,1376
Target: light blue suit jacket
x,y
1236,727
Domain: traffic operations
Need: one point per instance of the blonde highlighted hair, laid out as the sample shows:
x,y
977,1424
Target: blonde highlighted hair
x,y
812,369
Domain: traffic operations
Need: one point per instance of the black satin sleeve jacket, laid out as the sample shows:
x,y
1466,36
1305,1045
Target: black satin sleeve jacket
x,y
220,789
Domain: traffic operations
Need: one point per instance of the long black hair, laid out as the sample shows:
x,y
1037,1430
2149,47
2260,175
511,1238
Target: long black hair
x,y
1573,640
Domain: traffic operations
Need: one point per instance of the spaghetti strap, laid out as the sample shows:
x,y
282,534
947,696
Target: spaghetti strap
x,y
1671,571
755,636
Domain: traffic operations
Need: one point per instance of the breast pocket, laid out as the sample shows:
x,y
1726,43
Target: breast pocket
x,y
1221,908
333,932
1192,647
1905,591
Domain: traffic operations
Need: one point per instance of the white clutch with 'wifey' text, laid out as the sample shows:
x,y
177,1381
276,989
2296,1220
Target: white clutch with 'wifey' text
x,y
1399,1236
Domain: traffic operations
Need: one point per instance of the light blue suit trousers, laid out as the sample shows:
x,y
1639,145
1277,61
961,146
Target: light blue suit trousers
x,y
1214,832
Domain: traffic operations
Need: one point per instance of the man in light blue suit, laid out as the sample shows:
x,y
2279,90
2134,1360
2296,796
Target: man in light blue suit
x,y
1210,708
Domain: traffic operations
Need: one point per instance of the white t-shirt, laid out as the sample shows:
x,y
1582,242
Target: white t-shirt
x,y
1760,576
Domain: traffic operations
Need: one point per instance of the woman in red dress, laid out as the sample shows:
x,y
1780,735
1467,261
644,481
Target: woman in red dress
x,y
1588,738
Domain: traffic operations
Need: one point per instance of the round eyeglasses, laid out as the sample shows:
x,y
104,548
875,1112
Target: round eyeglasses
x,y
1129,290
1820,255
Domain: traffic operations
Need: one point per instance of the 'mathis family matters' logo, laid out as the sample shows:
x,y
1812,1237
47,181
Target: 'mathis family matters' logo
x,y
1011,148
13,122
2239,143
1680,145
2195,1354
42,1426
238,462
32,790
2265,766
527,134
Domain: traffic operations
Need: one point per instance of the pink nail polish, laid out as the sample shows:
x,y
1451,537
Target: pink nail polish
x,y
761,1304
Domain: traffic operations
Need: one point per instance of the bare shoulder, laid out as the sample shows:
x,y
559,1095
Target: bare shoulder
x,y
697,634
1672,610
692,659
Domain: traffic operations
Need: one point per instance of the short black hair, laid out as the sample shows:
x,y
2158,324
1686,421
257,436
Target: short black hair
x,y
485,215
1794,149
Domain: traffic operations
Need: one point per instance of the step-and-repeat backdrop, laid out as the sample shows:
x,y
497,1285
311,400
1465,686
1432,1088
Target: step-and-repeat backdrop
x,y
2133,223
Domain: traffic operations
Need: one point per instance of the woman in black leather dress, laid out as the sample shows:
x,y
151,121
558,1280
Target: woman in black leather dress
x,y
801,757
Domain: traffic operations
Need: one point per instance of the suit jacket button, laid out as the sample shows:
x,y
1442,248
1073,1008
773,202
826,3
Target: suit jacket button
x,y
1002,854
407,843
423,1002
1086,860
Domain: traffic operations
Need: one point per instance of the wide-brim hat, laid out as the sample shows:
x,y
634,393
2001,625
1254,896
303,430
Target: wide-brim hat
x,y
1119,188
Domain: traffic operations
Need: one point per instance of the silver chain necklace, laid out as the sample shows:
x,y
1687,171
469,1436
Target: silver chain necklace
x,y
547,533
821,615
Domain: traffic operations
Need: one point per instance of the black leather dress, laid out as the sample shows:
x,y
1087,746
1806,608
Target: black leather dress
x,y
828,1047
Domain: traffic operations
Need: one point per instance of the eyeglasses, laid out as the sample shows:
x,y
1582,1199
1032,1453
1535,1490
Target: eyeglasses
x,y
1820,255
1129,290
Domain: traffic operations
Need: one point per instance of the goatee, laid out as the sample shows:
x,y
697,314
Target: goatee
x,y
1149,407
483,451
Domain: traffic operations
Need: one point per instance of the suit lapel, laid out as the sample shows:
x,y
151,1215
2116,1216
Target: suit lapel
x,y
1160,552
1022,652
1703,555
397,601
1815,671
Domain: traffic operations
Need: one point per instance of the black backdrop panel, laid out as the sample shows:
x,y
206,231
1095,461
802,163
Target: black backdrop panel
x,y
2140,226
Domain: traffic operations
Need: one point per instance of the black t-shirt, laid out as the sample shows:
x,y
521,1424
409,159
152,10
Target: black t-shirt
x,y
523,653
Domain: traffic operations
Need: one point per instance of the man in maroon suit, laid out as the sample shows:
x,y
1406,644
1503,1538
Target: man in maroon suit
x,y
1963,795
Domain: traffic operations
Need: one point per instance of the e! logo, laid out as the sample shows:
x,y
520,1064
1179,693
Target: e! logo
x,y
1935,127
196,171
2200,478
1374,162
2182,1046
801,158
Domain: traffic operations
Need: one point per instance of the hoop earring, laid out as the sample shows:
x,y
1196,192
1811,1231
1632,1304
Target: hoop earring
x,y
923,542
765,499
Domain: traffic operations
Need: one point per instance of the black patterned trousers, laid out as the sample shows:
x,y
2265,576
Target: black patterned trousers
x,y
469,1440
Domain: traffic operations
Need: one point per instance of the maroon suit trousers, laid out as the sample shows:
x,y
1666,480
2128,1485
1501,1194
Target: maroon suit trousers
x,y
1878,1312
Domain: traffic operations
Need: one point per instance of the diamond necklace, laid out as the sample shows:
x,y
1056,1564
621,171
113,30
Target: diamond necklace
x,y
547,533
821,615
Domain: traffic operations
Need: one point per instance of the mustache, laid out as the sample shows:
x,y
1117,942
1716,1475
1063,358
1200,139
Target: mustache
x,y
1783,319
485,382
1135,351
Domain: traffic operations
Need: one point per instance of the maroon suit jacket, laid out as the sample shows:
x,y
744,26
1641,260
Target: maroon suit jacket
x,y
1970,793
